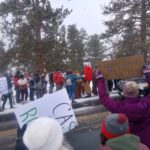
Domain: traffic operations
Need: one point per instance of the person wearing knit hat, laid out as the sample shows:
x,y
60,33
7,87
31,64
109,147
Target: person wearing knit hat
x,y
130,89
115,134
137,109
115,125
45,134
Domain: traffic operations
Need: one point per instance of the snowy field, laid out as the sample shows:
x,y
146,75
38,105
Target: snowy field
x,y
80,100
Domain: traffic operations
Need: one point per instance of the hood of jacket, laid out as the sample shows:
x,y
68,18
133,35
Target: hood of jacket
x,y
127,141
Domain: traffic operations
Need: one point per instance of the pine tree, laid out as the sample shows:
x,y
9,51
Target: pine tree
x,y
4,57
128,26
95,49
76,46
31,25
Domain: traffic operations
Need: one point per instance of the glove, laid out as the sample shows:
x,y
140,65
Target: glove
x,y
146,70
83,76
98,74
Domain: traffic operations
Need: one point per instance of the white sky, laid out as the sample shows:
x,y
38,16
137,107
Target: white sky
x,y
86,14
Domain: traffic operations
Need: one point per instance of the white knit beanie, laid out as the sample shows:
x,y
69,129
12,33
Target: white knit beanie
x,y
43,134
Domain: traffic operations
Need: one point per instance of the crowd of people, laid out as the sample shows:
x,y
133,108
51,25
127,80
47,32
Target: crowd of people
x,y
28,86
23,87
127,128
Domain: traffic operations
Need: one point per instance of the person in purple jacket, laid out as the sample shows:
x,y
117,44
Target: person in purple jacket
x,y
137,109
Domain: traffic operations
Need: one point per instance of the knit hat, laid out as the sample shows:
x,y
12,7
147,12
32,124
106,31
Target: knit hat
x,y
68,72
43,134
114,125
130,89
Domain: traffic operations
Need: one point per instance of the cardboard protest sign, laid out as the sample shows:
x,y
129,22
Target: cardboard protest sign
x,y
3,86
56,105
122,68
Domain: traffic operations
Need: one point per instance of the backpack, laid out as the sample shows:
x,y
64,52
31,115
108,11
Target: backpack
x,y
68,82
57,77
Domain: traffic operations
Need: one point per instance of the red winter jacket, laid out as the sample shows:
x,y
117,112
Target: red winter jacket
x,y
57,78
15,80
88,73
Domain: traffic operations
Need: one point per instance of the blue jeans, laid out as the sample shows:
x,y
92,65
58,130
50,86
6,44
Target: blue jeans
x,y
17,94
39,93
51,86
71,92
7,96
32,94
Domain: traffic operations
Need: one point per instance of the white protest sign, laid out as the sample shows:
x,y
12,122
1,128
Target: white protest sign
x,y
56,105
3,86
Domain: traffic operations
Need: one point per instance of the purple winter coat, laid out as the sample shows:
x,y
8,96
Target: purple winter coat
x,y
136,109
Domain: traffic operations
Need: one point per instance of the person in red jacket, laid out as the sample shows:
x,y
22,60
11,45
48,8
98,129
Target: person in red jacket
x,y
58,80
23,87
15,81
87,78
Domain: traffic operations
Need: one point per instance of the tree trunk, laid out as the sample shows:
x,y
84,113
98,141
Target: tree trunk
x,y
40,62
143,29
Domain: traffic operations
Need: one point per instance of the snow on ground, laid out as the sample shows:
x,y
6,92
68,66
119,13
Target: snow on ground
x,y
80,100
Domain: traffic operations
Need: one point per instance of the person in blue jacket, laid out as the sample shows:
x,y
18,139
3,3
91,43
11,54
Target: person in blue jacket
x,y
71,83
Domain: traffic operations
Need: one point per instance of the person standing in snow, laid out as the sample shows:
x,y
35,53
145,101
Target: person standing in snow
x,y
23,87
15,81
71,84
51,83
9,94
58,80
87,78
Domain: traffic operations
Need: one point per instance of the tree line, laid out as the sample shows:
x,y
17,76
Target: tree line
x,y
128,27
36,34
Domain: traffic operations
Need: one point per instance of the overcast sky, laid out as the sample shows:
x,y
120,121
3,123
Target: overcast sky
x,y
86,14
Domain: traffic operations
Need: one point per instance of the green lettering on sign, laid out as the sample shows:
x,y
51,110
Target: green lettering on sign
x,y
29,115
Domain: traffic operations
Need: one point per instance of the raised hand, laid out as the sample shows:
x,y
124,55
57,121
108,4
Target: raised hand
x,y
98,74
146,69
